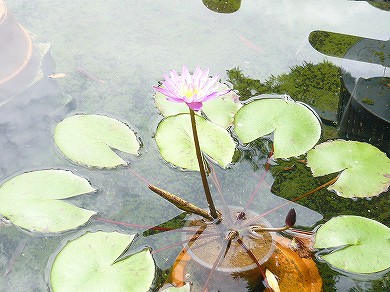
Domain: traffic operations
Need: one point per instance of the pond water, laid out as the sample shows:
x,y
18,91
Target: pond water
x,y
112,53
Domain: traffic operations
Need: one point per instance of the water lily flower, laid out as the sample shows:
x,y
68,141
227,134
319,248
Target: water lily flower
x,y
193,90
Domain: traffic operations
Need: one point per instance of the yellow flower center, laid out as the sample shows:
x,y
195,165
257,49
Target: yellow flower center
x,y
189,90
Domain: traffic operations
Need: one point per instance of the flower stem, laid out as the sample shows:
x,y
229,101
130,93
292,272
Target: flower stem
x,y
213,211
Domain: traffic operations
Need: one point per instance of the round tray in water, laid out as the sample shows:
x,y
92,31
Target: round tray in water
x,y
205,249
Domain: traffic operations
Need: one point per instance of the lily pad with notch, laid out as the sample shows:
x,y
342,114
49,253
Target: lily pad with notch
x,y
295,126
90,140
175,141
361,245
33,200
93,262
365,170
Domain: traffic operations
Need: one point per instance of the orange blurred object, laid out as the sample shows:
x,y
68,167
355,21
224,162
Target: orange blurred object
x,y
18,60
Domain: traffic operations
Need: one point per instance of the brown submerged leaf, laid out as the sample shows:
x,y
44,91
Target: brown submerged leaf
x,y
295,274
177,275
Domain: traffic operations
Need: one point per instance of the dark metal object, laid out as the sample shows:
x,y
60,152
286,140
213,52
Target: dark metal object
x,y
364,112
364,107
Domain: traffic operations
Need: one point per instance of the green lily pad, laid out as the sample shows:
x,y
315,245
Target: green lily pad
x,y
90,263
365,170
175,141
362,245
168,108
296,128
33,200
220,110
90,140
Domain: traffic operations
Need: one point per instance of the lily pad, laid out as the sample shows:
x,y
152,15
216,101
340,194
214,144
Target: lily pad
x,y
296,128
220,110
362,245
90,263
90,140
365,170
168,108
175,141
33,200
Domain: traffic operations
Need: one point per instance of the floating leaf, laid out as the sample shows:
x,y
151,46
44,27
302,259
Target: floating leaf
x,y
362,245
89,140
175,141
33,200
168,108
365,170
220,110
90,263
296,128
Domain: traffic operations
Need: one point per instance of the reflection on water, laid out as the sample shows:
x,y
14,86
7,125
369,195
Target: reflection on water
x,y
223,6
363,112
126,44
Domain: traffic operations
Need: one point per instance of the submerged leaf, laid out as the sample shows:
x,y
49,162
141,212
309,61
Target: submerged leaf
x,y
90,263
177,276
361,245
90,140
175,141
296,128
365,170
33,200
295,274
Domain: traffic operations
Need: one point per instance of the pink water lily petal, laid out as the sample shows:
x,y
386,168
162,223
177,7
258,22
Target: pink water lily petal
x,y
186,77
174,100
211,83
191,89
167,93
216,94
174,76
171,89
